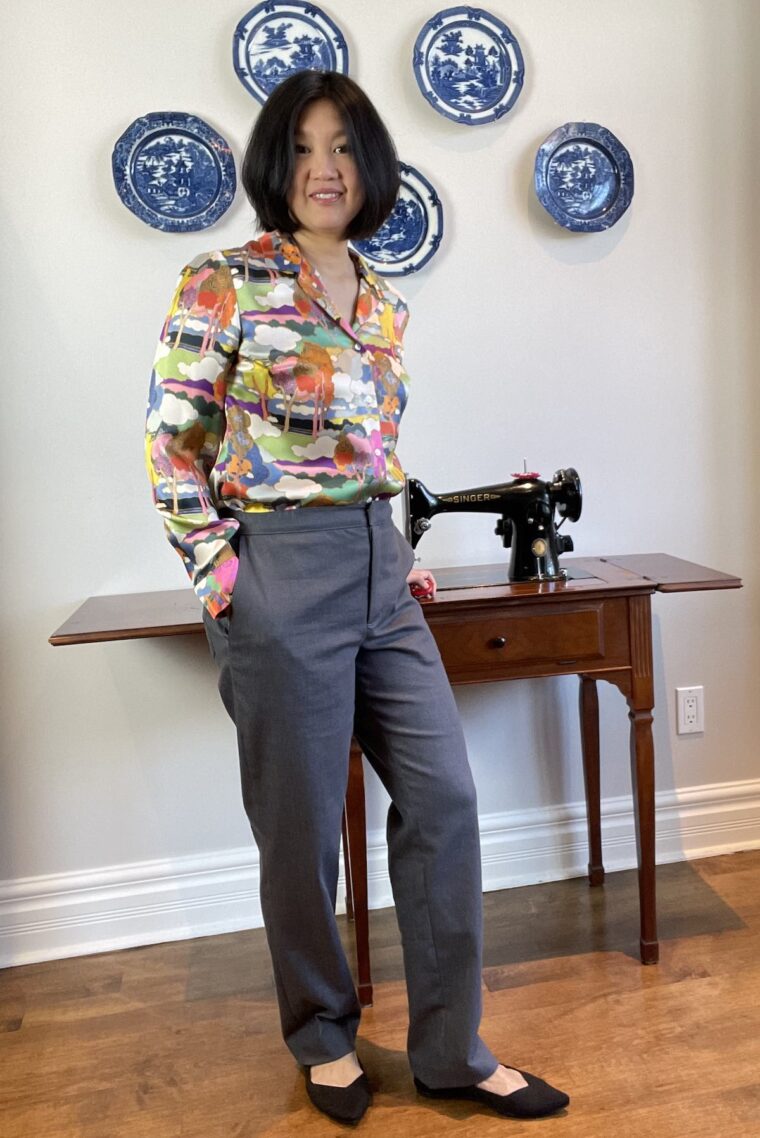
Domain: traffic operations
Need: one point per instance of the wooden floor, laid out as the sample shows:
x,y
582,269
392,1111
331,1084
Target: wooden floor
x,y
181,1040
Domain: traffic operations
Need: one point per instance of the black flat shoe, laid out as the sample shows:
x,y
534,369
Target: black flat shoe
x,y
344,1104
534,1101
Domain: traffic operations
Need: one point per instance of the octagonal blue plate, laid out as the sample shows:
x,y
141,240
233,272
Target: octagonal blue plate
x,y
468,65
276,39
412,233
174,171
584,177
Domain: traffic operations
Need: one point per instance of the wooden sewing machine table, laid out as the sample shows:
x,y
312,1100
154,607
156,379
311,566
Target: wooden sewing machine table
x,y
596,625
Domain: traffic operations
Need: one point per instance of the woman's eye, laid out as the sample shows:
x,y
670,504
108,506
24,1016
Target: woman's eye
x,y
344,148
301,149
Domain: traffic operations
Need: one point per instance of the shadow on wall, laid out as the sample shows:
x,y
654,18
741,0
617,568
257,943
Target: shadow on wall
x,y
732,335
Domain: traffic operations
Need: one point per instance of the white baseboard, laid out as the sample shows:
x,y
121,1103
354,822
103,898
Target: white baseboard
x,y
74,914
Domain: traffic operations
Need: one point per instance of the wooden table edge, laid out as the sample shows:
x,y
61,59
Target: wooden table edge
x,y
109,635
610,576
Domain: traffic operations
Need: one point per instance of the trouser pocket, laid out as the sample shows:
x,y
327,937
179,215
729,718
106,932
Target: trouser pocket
x,y
218,637
407,552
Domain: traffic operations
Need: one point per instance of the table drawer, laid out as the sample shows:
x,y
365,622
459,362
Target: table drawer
x,y
549,636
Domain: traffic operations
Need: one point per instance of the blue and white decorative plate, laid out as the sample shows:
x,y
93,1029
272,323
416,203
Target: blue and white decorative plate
x,y
468,65
412,233
274,40
584,177
174,172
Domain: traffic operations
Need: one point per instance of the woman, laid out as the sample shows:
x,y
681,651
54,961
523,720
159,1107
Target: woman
x,y
275,403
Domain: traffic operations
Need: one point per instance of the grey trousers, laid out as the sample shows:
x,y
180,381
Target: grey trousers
x,y
324,640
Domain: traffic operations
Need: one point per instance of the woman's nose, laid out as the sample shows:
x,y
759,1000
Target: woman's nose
x,y
324,164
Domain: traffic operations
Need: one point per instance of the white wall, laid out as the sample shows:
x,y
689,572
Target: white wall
x,y
630,354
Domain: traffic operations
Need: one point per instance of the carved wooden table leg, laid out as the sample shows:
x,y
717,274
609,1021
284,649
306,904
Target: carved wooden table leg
x,y
588,701
355,838
641,705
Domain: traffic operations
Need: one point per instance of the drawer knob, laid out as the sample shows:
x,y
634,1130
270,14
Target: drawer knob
x,y
498,642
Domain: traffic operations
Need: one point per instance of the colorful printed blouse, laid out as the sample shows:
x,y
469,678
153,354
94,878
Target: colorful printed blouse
x,y
263,397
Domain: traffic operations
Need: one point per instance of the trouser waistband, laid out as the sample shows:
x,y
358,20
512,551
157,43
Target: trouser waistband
x,y
375,512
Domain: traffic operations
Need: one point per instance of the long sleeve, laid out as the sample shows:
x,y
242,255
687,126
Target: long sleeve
x,y
393,388
186,423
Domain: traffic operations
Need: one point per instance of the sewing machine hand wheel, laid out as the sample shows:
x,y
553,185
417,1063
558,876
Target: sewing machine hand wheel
x,y
567,492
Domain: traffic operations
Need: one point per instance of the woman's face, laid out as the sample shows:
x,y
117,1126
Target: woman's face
x,y
326,192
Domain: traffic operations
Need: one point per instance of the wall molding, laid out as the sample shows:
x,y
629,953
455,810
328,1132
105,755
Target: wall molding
x,y
75,914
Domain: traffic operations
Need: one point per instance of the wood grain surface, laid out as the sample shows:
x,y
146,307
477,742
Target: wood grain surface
x,y
182,1040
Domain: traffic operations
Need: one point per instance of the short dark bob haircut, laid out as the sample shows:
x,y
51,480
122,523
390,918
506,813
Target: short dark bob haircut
x,y
269,159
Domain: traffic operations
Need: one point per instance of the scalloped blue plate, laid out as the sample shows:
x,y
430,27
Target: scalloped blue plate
x,y
274,40
412,233
174,171
584,177
468,65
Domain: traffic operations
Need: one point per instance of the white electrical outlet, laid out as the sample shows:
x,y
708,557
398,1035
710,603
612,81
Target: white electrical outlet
x,y
690,710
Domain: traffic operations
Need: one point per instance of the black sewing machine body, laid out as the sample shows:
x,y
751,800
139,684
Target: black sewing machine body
x,y
527,524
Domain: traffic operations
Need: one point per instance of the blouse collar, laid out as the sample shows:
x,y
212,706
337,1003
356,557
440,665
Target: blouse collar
x,y
280,253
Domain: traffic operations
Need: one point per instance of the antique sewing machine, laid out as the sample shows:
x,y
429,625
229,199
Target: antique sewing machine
x,y
527,524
